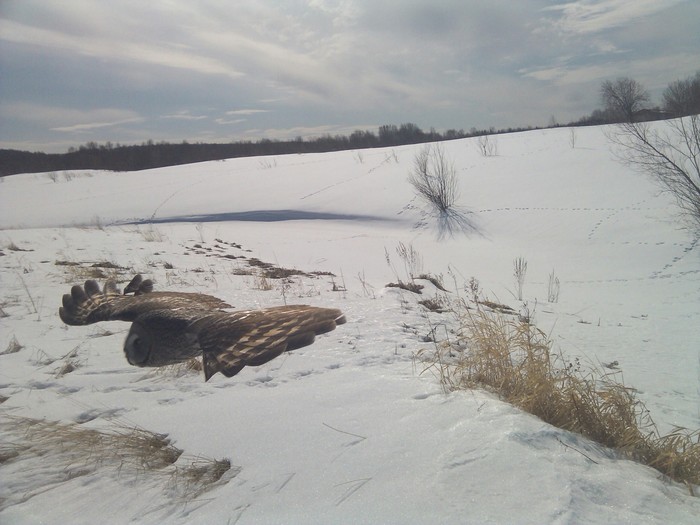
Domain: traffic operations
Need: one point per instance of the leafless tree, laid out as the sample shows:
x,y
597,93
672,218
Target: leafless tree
x,y
670,153
623,98
682,97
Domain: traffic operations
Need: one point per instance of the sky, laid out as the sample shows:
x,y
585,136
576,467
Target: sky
x,y
128,71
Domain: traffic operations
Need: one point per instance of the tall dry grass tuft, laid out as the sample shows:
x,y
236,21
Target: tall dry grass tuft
x,y
50,453
514,360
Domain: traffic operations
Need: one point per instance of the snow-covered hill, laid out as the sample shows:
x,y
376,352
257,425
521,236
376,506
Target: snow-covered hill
x,y
349,430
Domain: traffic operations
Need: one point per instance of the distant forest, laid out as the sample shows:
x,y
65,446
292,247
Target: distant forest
x,y
151,154
623,100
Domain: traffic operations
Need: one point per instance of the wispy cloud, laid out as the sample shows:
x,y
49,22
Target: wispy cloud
x,y
247,111
105,47
593,16
225,122
184,115
82,128
69,119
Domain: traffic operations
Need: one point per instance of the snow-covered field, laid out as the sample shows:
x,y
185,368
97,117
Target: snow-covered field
x,y
348,430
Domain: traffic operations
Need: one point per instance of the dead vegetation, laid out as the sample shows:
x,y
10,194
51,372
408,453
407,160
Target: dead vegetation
x,y
82,271
57,452
514,360
189,367
408,286
13,347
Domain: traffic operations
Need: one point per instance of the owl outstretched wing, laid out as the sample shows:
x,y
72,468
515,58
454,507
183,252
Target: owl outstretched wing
x,y
90,304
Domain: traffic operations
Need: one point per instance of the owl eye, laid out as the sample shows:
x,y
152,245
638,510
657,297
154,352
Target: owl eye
x,y
137,349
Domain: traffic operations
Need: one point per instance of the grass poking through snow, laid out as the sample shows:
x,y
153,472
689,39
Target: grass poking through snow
x,y
514,360
57,452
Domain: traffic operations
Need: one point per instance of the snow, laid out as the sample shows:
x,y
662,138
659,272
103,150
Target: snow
x,y
353,428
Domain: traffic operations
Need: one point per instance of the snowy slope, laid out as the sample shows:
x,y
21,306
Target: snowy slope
x,y
349,429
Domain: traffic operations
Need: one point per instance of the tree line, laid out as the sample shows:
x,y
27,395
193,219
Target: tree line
x,y
624,100
150,154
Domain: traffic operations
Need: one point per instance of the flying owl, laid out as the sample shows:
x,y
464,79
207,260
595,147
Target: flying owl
x,y
171,327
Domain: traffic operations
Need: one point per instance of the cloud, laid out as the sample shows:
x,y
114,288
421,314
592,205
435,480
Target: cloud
x,y
104,47
306,132
247,111
593,16
67,119
184,115
225,122
81,128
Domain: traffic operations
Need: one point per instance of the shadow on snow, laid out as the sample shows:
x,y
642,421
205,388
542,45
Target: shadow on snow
x,y
260,216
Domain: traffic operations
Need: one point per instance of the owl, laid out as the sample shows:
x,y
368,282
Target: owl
x,y
171,327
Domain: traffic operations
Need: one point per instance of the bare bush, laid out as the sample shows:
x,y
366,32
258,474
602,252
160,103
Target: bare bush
x,y
670,154
553,287
519,272
488,145
434,178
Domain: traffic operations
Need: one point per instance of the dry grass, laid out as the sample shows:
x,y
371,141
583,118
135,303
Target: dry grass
x,y
408,286
82,271
68,451
189,367
514,360
436,304
13,347
151,234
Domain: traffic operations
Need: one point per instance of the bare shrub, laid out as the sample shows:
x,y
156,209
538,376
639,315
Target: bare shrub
x,y
553,286
434,178
488,145
670,154
519,272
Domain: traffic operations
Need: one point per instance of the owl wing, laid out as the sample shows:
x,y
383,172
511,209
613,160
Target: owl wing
x,y
89,304
231,341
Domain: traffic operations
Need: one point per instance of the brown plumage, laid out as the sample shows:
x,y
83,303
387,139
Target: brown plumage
x,y
171,327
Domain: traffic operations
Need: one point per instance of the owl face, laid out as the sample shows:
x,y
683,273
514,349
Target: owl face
x,y
138,345
147,345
